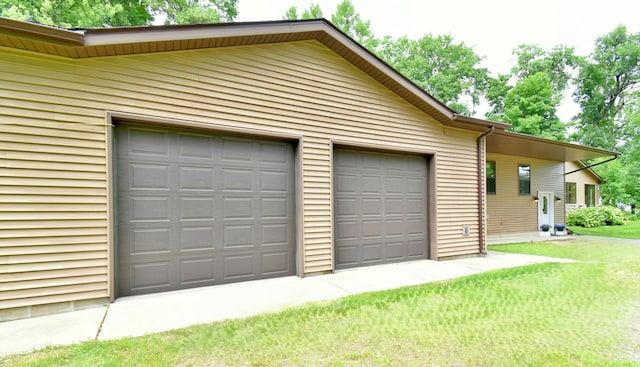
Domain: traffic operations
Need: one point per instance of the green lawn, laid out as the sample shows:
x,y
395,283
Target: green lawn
x,y
630,229
579,314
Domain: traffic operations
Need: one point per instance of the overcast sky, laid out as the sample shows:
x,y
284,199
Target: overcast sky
x,y
492,27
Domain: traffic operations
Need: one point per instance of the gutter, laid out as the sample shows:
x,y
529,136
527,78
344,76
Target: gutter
x,y
481,237
592,165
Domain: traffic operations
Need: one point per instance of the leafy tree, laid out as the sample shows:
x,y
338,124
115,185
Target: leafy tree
x,y
70,13
530,107
608,82
314,12
447,70
528,96
109,13
348,20
558,64
621,176
196,11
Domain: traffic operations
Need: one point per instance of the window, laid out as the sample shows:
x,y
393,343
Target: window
x,y
570,192
491,177
590,195
524,179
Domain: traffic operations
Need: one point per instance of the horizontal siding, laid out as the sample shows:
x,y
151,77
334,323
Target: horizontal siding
x,y
509,212
54,160
581,178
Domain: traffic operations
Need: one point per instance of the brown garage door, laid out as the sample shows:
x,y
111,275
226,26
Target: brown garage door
x,y
381,207
199,209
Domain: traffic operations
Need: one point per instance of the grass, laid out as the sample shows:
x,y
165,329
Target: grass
x,y
578,314
630,229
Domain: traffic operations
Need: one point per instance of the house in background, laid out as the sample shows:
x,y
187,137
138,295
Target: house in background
x,y
525,182
582,186
149,159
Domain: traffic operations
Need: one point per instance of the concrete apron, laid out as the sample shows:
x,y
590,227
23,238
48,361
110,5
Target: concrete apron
x,y
140,315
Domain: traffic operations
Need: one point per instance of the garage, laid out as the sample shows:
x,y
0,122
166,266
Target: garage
x,y
380,208
196,208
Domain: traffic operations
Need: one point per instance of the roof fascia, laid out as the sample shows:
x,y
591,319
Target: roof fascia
x,y
41,31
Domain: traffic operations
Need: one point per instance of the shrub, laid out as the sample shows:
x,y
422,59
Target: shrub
x,y
596,216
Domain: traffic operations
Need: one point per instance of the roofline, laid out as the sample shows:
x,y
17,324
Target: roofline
x,y
480,122
603,152
59,35
249,32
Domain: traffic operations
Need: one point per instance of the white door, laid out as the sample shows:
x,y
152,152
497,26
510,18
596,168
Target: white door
x,y
545,208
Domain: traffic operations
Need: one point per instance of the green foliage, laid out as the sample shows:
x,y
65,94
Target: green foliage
x,y
607,84
195,11
631,229
557,64
110,13
313,12
73,13
348,20
448,70
595,216
530,108
528,96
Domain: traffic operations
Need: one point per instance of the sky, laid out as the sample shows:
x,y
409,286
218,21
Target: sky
x,y
492,27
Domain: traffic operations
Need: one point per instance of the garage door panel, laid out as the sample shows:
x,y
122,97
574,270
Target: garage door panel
x,y
275,234
372,253
276,263
241,266
346,183
274,181
196,238
146,142
149,240
274,153
381,207
193,178
237,180
274,208
152,275
195,146
238,207
201,209
237,149
198,270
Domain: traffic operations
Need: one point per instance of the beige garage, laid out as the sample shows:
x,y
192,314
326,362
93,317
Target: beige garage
x,y
139,160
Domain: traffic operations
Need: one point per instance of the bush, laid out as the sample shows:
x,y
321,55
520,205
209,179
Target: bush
x,y
596,216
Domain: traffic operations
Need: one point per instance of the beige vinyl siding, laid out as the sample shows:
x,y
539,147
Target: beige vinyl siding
x,y
53,132
581,178
509,212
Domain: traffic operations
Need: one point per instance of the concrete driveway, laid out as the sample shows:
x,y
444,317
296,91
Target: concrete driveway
x,y
140,315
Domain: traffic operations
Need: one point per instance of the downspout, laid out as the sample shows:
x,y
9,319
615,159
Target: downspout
x,y
483,245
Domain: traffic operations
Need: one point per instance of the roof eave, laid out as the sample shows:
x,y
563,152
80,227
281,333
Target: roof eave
x,y
516,144
41,31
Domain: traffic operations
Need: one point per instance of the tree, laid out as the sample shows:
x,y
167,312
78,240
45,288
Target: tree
x,y
558,64
71,13
314,12
195,11
447,70
528,96
348,20
608,82
530,108
110,13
